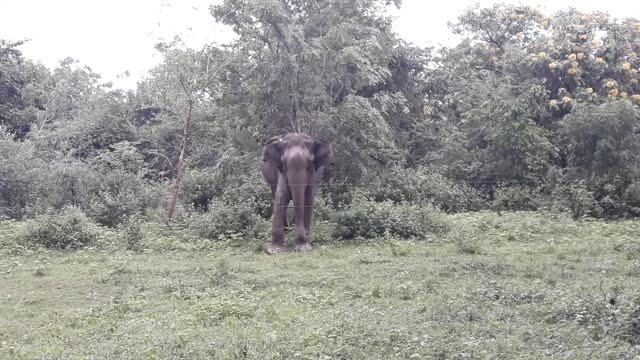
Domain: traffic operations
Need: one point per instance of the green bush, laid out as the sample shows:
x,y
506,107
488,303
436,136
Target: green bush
x,y
122,190
67,230
133,233
251,190
109,187
368,219
117,202
10,233
67,182
423,186
225,220
517,198
590,198
20,172
199,187
632,198
603,152
576,198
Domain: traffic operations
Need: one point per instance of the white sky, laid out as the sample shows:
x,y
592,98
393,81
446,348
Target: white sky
x,y
114,36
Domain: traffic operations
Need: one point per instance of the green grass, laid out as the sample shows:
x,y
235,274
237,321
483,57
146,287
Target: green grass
x,y
524,286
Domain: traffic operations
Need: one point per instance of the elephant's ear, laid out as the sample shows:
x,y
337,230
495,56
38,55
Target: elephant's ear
x,y
272,153
323,153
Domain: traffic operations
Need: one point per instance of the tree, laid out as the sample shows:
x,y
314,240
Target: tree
x,y
188,86
17,78
332,68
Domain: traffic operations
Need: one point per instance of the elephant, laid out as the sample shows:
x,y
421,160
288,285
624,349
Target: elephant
x,y
292,166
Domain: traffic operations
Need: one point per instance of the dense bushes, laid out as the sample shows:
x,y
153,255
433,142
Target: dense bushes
x,y
69,229
423,186
603,153
109,187
224,220
517,119
365,218
20,171
226,203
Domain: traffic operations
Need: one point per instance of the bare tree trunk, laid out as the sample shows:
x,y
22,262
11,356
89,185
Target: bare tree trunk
x,y
183,155
188,88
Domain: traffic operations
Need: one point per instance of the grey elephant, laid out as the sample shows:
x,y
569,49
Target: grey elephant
x,y
292,165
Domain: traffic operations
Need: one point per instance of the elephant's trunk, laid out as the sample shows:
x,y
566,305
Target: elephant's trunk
x,y
298,181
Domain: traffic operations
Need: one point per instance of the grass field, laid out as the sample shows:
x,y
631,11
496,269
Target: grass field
x,y
520,285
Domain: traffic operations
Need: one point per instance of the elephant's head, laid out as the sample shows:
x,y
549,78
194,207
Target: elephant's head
x,y
295,152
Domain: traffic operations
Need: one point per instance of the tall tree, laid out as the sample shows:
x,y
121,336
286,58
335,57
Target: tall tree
x,y
187,87
332,68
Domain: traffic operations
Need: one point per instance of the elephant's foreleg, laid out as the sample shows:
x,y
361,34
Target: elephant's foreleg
x,y
279,217
310,199
287,200
310,195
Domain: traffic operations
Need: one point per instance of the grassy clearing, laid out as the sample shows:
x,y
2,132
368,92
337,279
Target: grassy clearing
x,y
503,287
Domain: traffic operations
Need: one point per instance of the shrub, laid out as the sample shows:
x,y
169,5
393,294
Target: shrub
x,y
577,198
368,219
516,198
226,220
20,171
133,233
121,199
250,190
424,186
603,149
67,182
121,193
199,187
10,233
69,229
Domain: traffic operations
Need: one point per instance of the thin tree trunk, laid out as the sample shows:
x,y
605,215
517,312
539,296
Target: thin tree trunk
x,y
183,155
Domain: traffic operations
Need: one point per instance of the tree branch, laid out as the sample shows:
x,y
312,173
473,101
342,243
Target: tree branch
x,y
280,35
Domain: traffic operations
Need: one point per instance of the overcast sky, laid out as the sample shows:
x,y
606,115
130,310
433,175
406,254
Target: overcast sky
x,y
118,35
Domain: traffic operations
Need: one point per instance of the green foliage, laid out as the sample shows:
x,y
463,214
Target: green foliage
x,y
122,187
603,151
231,199
501,25
511,146
199,187
224,221
11,235
333,69
516,198
603,139
66,181
252,191
19,101
19,173
368,219
575,197
70,229
420,186
529,111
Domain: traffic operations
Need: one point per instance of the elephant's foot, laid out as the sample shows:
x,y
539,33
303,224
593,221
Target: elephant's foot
x,y
276,249
302,247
